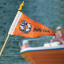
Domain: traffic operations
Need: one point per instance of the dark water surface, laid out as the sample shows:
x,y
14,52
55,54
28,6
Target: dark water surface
x,y
47,12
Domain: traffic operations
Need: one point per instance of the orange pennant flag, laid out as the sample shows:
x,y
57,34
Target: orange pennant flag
x,y
27,27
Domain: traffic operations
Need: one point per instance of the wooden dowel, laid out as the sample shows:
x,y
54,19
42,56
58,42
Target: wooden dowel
x,y
4,44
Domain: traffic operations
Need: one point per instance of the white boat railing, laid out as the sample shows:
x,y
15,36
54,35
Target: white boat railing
x,y
38,39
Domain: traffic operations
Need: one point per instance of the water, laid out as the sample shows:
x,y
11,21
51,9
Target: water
x,y
47,12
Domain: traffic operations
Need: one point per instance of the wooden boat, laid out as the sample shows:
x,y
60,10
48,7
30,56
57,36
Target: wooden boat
x,y
44,55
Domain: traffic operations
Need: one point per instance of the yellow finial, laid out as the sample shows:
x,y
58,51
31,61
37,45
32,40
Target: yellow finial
x,y
21,6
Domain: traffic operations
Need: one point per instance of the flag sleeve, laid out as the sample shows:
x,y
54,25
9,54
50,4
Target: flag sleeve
x,y
15,21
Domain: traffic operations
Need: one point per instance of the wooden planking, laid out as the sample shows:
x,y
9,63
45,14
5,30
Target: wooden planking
x,y
45,57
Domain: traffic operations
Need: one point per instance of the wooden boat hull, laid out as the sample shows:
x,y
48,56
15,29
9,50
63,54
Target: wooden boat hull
x,y
51,56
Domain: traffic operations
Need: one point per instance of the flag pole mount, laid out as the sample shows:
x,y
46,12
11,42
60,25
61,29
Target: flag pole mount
x,y
21,6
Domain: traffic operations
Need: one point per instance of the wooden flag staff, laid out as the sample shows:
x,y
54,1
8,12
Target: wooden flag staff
x,y
4,44
20,9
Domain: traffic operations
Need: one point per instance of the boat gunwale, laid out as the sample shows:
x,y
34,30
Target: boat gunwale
x,y
41,48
